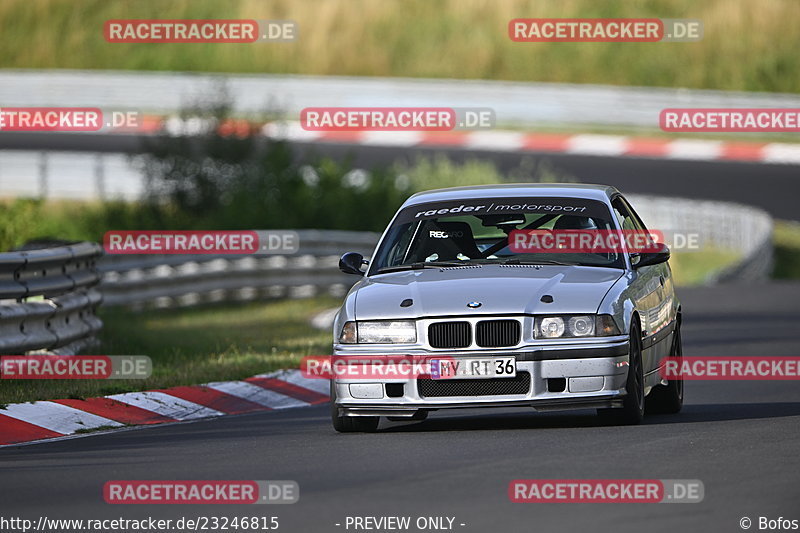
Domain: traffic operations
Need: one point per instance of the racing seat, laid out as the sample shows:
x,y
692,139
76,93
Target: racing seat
x,y
456,238
574,222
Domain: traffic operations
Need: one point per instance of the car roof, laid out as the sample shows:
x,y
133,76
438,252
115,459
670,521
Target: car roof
x,y
568,190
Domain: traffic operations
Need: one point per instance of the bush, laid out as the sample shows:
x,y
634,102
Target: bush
x,y
201,179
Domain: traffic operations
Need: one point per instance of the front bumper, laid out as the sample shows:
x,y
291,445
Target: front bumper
x,y
568,376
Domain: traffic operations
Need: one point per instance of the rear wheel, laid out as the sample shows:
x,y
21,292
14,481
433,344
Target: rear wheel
x,y
668,399
351,424
632,411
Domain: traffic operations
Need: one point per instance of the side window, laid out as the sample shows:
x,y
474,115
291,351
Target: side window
x,y
400,237
636,219
625,215
628,219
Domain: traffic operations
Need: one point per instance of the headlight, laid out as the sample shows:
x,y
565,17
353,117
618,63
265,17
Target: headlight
x,y
581,326
379,332
553,327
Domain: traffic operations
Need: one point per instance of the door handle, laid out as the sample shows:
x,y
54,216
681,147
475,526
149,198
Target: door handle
x,y
661,280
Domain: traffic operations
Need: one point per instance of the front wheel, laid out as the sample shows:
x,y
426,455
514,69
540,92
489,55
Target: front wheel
x,y
351,424
632,411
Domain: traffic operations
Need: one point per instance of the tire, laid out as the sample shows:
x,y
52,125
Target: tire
x,y
351,424
632,411
668,399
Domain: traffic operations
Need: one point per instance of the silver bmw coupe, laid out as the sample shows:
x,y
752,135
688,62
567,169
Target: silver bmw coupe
x,y
495,290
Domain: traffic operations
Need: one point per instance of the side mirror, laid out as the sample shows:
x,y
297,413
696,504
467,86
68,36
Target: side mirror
x,y
660,254
350,263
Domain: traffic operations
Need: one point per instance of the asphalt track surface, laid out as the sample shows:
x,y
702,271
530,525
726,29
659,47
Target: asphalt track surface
x,y
772,187
739,438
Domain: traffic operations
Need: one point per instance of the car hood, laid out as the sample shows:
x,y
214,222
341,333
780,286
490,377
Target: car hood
x,y
499,289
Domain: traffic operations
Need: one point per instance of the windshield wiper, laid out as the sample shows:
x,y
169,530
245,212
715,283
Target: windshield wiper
x,y
420,266
540,262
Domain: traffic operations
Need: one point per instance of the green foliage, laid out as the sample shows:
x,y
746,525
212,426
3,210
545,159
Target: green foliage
x,y
786,239
192,346
747,45
207,181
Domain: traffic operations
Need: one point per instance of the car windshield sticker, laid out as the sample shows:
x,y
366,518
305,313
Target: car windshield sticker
x,y
500,206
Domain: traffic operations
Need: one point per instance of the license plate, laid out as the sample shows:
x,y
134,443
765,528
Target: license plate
x,y
473,368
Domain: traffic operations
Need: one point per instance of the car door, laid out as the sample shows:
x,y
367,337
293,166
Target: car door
x,y
648,289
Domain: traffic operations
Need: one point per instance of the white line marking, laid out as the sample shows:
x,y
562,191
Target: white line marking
x,y
495,140
391,138
56,417
166,405
597,144
694,149
781,153
295,377
254,393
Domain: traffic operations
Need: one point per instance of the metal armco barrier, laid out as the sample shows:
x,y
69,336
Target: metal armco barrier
x,y
161,281
521,103
48,299
185,280
722,225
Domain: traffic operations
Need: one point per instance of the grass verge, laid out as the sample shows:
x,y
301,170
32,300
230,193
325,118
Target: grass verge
x,y
746,45
786,239
191,346
229,342
694,268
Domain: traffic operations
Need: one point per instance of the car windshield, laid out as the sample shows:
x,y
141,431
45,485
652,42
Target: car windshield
x,y
479,231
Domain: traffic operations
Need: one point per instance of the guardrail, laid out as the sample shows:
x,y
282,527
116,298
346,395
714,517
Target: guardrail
x,y
83,165
721,225
48,299
184,280
48,296
520,103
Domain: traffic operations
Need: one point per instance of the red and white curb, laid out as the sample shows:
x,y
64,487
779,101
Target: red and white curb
x,y
36,421
506,141
578,144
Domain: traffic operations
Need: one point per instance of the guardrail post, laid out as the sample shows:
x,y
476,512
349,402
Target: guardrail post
x,y
43,177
